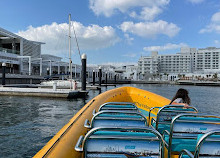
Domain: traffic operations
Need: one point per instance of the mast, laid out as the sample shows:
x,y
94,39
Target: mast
x,y
70,61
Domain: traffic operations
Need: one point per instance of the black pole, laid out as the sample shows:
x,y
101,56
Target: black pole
x,y
100,76
115,78
83,72
106,78
3,73
93,77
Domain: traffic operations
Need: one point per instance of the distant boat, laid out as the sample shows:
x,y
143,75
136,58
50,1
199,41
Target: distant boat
x,y
62,84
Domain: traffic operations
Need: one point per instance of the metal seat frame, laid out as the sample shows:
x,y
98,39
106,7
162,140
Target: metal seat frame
x,y
87,124
173,134
81,144
117,103
200,144
166,109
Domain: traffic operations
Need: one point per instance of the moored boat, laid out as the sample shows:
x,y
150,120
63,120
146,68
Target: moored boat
x,y
62,84
91,132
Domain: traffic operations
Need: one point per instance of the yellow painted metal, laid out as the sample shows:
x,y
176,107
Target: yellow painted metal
x,y
63,143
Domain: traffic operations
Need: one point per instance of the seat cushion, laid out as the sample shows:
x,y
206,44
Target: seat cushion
x,y
180,144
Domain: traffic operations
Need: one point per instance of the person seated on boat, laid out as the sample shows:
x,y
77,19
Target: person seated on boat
x,y
181,98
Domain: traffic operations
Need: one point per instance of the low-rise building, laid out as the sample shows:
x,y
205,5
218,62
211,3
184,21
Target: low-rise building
x,y
17,52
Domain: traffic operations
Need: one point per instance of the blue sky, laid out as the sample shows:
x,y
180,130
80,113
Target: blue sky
x,y
114,31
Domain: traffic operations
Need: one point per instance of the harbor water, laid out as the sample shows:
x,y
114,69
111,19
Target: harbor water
x,y
28,123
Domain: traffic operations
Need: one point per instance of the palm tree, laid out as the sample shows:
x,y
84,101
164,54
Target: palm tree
x,y
215,76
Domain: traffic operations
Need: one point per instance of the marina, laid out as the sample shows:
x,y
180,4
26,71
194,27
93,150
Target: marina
x,y
32,122
110,79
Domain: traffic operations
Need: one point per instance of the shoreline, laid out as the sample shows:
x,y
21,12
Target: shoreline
x,y
181,82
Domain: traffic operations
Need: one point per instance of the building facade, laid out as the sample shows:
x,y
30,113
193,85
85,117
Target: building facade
x,y
17,52
148,65
208,60
175,63
188,60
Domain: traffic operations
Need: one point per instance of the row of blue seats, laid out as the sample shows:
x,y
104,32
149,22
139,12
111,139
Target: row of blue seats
x,y
185,131
120,130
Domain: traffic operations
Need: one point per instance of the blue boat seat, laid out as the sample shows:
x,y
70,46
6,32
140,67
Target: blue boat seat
x,y
184,130
165,115
208,145
115,142
125,106
117,119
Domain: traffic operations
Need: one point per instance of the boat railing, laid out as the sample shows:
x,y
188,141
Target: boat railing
x,y
207,146
117,106
165,115
115,142
116,118
185,129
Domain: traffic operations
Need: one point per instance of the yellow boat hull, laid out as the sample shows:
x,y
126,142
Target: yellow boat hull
x,y
63,143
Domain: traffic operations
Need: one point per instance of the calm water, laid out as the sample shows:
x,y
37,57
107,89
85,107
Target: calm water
x,y
28,123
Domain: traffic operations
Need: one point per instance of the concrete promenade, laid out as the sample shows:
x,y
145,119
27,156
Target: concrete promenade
x,y
198,83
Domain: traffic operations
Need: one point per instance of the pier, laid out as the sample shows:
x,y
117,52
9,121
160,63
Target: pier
x,y
198,83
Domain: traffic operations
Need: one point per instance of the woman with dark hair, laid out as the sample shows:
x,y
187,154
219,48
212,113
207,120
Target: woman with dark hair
x,y
181,98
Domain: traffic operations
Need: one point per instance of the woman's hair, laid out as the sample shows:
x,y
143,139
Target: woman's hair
x,y
182,93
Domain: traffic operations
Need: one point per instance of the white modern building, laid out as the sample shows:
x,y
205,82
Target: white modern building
x,y
188,60
131,72
176,63
148,65
208,60
18,52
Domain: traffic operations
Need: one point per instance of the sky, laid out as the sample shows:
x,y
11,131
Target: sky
x,y
116,32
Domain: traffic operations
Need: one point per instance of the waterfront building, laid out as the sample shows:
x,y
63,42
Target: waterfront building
x,y
17,52
148,65
107,69
53,64
179,63
208,60
187,61
131,72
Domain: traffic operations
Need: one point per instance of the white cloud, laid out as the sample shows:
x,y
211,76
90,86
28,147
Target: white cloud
x,y
128,38
217,42
214,25
168,46
211,28
150,13
56,37
147,13
196,1
216,18
109,7
150,29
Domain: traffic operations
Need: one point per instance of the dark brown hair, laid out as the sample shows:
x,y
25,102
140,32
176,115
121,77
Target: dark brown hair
x,y
182,93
